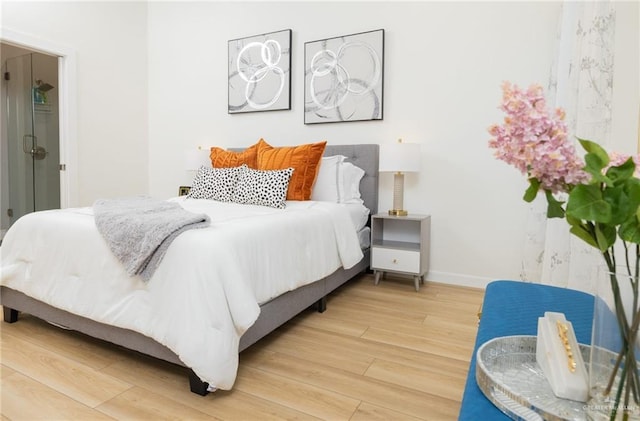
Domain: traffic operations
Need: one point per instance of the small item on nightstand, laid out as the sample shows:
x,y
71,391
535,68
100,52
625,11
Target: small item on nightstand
x,y
558,354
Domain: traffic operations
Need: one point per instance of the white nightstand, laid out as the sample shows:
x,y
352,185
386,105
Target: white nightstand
x,y
400,244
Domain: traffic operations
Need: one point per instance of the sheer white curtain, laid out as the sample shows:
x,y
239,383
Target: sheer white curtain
x,y
581,83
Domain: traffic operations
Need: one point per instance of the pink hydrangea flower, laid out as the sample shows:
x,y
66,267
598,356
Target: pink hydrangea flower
x,y
535,141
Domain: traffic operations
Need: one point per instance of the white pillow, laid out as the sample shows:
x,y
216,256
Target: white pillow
x,y
326,187
359,214
349,187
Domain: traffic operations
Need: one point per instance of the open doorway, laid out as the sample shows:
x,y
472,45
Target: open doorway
x,y
30,137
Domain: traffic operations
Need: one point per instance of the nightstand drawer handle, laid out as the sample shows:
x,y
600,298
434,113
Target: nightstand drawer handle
x,y
395,260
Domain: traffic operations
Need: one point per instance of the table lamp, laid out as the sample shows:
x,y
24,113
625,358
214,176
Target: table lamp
x,y
195,158
399,158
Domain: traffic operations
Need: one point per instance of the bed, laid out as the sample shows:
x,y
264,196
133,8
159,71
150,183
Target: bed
x,y
272,312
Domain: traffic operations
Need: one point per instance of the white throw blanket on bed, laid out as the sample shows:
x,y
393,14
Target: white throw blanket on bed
x,y
139,229
206,291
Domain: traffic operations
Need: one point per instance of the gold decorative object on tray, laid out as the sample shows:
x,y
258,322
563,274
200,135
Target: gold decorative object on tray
x,y
509,376
559,358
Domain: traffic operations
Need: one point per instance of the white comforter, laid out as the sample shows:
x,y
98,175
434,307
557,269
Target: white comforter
x,y
206,291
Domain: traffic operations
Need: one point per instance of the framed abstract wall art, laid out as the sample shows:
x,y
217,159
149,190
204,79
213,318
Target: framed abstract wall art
x,y
260,73
343,78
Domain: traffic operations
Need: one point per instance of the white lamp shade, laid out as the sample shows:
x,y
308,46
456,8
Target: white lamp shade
x,y
400,157
195,158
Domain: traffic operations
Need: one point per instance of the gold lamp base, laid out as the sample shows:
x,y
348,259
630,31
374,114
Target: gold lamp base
x,y
398,194
398,212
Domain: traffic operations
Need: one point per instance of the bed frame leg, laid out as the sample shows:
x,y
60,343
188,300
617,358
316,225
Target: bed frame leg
x,y
321,305
10,315
197,386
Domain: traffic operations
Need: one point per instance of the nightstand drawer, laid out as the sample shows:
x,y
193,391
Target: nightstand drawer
x,y
395,260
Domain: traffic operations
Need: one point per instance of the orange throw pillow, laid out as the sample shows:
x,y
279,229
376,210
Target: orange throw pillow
x,y
305,160
222,158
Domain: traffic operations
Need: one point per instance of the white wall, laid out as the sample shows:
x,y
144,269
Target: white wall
x,y
444,62
110,44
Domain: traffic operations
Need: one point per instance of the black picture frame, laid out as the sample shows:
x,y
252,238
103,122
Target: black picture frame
x,y
344,78
260,73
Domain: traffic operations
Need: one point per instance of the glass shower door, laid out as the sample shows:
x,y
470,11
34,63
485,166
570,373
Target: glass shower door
x,y
32,135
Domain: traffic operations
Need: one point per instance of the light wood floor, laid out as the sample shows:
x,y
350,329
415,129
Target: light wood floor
x,y
380,352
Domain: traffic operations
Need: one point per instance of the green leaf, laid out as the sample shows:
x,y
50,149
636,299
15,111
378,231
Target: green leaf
x,y
621,173
581,232
621,205
554,206
594,166
595,149
630,230
632,189
586,203
532,190
595,160
605,236
573,221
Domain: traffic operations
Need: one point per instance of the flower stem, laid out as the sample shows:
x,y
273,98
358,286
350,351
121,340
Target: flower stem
x,y
626,362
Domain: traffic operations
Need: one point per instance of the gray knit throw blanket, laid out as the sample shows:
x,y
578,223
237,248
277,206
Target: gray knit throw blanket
x,y
139,230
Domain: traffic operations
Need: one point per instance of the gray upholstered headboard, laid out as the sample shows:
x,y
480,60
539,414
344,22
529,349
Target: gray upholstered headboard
x,y
365,156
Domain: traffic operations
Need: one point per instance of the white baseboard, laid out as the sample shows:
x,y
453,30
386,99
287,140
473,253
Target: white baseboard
x,y
458,279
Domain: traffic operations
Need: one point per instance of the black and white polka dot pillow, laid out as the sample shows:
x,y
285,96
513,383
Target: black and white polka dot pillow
x,y
264,188
214,183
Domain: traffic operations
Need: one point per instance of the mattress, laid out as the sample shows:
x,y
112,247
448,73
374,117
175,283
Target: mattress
x,y
207,290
